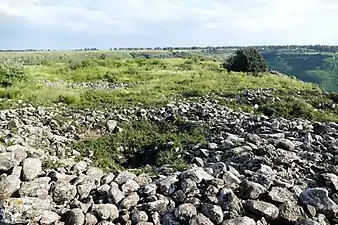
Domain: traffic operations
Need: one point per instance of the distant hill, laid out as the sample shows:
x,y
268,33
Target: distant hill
x,y
319,68
307,65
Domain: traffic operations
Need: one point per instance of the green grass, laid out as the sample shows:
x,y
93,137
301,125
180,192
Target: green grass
x,y
162,81
144,143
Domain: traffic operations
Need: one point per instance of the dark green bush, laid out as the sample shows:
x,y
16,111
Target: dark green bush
x,y
193,93
110,77
246,60
11,74
68,99
334,97
74,65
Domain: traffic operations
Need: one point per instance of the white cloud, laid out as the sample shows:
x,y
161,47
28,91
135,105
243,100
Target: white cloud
x,y
287,20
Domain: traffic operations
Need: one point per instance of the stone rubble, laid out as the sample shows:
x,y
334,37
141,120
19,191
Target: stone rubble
x,y
100,85
255,170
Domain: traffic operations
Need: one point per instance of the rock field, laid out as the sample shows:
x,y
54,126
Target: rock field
x,y
254,170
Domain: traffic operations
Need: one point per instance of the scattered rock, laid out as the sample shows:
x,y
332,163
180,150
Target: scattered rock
x,y
261,208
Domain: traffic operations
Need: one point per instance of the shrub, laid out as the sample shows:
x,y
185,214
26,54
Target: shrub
x,y
74,65
246,60
145,143
334,97
289,108
68,99
110,77
103,56
193,93
11,73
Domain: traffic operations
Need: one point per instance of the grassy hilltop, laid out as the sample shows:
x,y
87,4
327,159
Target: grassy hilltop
x,y
156,81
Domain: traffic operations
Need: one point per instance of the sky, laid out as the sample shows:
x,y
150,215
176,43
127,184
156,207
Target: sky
x,y
69,24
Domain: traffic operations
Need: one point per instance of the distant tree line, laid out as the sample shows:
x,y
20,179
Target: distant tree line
x,y
261,48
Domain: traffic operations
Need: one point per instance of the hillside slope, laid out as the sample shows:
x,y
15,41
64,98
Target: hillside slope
x,y
319,68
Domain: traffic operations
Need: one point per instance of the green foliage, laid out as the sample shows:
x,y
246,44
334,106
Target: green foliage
x,y
110,77
11,74
289,108
68,99
74,65
246,60
334,97
144,143
193,93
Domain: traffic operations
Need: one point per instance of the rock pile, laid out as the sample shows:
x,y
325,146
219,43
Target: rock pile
x,y
101,85
253,170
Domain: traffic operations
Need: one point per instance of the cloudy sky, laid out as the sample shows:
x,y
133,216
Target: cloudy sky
x,y
65,24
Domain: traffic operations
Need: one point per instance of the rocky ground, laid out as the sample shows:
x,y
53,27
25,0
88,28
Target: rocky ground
x,y
101,85
254,170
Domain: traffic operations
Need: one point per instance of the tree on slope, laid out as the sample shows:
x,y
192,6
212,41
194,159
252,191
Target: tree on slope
x,y
246,60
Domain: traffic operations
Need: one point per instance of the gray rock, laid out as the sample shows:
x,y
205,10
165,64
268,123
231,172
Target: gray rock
x,y
95,173
230,179
261,208
20,152
106,211
185,212
7,161
169,219
103,189
155,206
122,177
168,185
90,219
104,222
289,212
213,212
286,144
49,217
196,174
200,219
80,167
84,205
111,125
240,221
63,192
84,190
149,189
251,190
332,180
115,193
75,217
230,203
304,221
130,201
130,186
198,161
143,179
108,178
24,210
139,217
264,176
9,185
31,168
212,146
188,186
281,195
38,187
318,197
